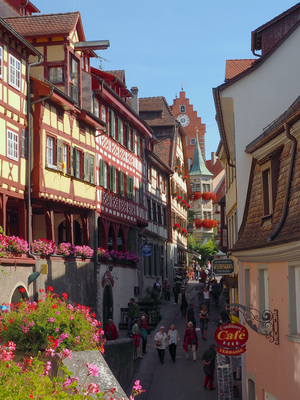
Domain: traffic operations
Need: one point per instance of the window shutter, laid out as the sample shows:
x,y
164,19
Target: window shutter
x,y
133,141
101,166
121,182
114,179
111,123
76,154
141,193
59,149
110,177
127,130
92,179
132,189
138,145
143,149
127,186
119,130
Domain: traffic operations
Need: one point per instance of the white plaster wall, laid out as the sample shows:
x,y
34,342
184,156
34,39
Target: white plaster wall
x,y
259,98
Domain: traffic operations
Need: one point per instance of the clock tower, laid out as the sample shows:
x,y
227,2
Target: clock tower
x,y
185,114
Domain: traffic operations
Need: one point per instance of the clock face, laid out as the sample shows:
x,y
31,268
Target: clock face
x,y
183,119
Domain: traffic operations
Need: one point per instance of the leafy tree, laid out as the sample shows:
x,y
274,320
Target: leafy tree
x,y
207,250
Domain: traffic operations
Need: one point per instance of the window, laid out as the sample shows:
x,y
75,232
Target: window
x,y
1,62
121,183
65,164
14,72
269,180
24,143
96,108
263,288
159,215
182,108
50,162
154,212
294,299
149,210
128,137
103,173
193,141
78,163
120,131
88,167
193,188
198,187
56,74
165,216
60,114
112,124
149,173
142,200
12,145
103,114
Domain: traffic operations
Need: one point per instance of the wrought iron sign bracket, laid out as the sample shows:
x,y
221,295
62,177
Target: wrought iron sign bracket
x,y
264,323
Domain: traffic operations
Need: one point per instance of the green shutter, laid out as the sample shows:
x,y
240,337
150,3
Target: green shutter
x,y
114,179
131,188
127,186
119,130
111,123
143,149
138,145
127,130
101,166
76,154
92,180
133,141
121,182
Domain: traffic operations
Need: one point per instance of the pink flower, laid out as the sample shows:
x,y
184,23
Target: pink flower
x,y
71,317
66,353
51,319
137,385
47,367
93,370
50,352
67,382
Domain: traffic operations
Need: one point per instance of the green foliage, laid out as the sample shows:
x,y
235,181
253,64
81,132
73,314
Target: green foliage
x,y
151,295
191,215
207,250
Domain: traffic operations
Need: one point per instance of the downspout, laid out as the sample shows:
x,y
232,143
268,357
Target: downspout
x,y
25,5
289,182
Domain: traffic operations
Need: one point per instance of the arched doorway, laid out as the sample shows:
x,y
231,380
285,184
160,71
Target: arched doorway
x,y
19,294
107,304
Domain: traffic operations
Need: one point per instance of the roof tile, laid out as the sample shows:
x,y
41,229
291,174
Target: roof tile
x,y
236,67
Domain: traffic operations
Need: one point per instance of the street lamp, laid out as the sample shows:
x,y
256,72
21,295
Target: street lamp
x,y
190,228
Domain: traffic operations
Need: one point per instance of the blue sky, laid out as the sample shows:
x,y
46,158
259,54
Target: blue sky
x,y
163,43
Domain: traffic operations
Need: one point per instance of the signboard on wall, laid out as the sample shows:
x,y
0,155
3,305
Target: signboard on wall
x,y
231,339
146,250
223,266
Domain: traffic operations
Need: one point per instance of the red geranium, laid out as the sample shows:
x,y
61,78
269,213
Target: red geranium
x,y
65,296
50,288
21,290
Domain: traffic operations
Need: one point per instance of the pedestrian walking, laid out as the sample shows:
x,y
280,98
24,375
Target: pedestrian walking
x,y
203,275
133,313
157,285
206,298
144,333
136,339
176,291
224,316
166,289
200,289
190,316
173,337
209,358
160,339
204,318
110,330
190,341
215,291
183,300
197,271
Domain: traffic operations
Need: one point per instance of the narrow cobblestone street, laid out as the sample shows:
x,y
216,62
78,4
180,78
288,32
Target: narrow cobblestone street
x,y
183,379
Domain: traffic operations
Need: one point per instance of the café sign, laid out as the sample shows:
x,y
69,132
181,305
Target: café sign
x,y
223,266
231,339
146,250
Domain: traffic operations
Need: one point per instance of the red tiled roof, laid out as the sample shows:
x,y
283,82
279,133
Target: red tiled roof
x,y
236,67
216,168
163,150
47,24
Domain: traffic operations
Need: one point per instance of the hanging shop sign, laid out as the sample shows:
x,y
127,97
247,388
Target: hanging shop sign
x,y
223,266
146,250
231,339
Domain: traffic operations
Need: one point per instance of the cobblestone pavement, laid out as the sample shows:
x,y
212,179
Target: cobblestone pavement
x,y
184,378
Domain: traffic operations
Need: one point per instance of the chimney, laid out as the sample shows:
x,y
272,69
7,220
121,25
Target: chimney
x,y
135,99
213,158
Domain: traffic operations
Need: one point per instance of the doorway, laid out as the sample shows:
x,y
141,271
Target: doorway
x,y
107,304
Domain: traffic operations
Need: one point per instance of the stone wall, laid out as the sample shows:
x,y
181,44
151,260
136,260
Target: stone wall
x,y
119,357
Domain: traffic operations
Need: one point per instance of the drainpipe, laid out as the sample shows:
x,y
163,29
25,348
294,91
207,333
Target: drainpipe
x,y
289,182
35,274
25,5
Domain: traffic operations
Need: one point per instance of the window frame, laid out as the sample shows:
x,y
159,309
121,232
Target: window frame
x,y
11,149
53,149
1,62
15,72
56,67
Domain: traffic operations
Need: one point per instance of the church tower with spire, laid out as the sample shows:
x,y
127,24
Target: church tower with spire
x,y
202,205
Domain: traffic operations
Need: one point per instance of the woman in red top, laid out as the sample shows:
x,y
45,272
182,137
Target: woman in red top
x,y
110,331
190,341
144,332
